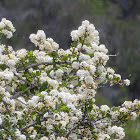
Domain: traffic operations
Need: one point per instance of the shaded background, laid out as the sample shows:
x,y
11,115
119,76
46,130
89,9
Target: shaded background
x,y
118,22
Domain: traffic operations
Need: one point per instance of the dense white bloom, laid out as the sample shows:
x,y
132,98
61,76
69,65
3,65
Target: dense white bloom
x,y
127,104
53,83
59,73
55,46
55,89
102,136
75,65
8,23
94,46
40,40
2,48
117,76
32,136
19,114
81,30
84,64
79,114
0,120
85,23
110,70
45,115
84,57
44,138
75,35
2,25
8,34
7,28
22,137
31,103
10,49
57,116
63,124
104,108
110,77
83,73
35,99
20,101
100,57
33,39
119,131
123,109
126,82
102,48
115,114
21,53
92,69
133,115
11,63
89,80
17,132
41,35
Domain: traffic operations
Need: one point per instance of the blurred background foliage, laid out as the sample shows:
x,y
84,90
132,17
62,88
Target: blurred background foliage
x,y
118,22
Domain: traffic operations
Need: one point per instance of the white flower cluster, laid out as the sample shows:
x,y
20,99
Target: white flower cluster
x,y
40,40
7,28
105,108
86,31
49,94
6,75
119,131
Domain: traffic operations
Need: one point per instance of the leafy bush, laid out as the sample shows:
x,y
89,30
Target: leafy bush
x,y
50,93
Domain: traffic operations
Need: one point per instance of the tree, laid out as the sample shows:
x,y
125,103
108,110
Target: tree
x,y
50,93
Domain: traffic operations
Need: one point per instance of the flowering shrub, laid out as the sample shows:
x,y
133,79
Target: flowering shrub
x,y
49,93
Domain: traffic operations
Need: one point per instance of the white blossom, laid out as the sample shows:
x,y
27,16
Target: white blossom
x,y
126,82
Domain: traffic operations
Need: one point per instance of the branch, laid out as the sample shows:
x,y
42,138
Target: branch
x,y
68,133
21,78
109,121
31,124
21,92
42,63
82,44
34,79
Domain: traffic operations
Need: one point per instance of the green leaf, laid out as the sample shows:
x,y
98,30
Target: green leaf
x,y
38,120
108,115
55,54
20,122
80,106
46,133
90,108
24,87
3,66
7,123
107,76
38,73
30,52
65,109
33,112
44,86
